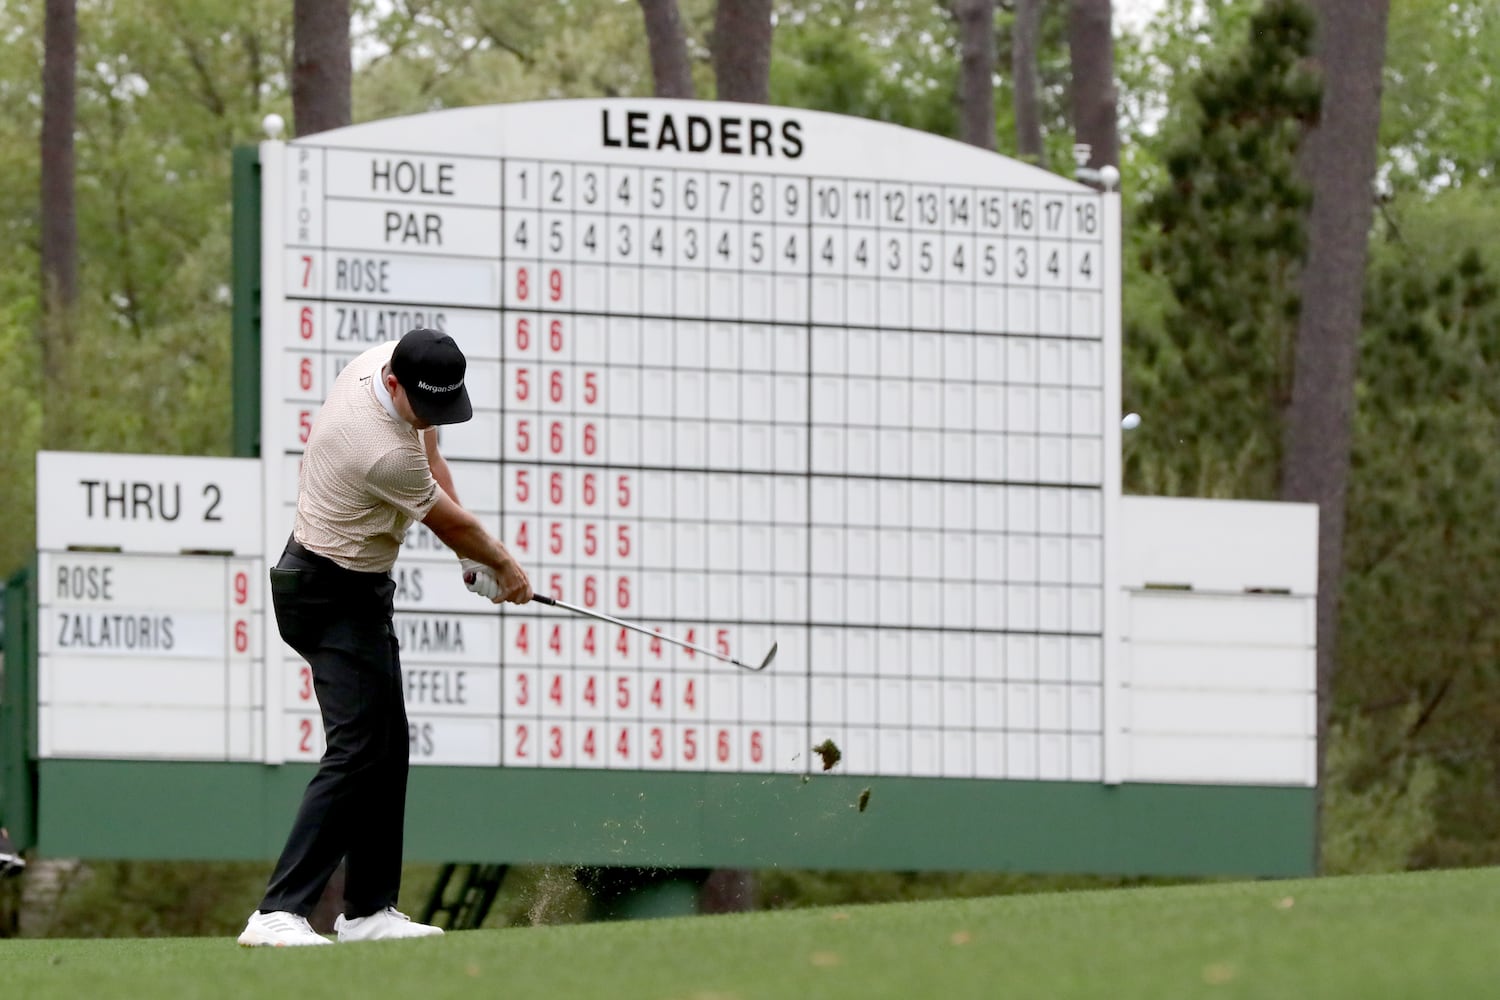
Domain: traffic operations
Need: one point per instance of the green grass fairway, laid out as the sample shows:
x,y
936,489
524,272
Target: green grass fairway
x,y
1407,936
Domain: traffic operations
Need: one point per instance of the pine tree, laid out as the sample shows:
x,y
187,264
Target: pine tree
x,y
1225,235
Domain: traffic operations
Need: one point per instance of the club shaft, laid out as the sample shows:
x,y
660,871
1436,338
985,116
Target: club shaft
x,y
653,633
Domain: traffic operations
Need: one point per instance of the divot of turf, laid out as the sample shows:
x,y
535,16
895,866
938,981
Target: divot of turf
x,y
829,752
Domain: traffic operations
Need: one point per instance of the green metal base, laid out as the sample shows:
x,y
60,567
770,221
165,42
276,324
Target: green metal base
x,y
134,809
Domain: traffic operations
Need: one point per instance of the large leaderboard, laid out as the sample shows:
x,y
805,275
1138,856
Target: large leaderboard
x,y
744,375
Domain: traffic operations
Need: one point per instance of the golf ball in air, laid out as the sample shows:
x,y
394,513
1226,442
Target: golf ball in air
x,y
1131,421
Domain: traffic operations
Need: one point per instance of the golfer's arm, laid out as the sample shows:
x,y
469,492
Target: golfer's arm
x,y
462,532
438,464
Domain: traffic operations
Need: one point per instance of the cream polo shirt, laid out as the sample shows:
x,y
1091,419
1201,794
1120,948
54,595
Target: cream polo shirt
x,y
365,476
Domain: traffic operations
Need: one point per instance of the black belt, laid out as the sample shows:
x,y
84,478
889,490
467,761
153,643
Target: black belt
x,y
322,562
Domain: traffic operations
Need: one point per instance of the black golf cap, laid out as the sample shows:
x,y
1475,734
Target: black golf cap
x,y
430,367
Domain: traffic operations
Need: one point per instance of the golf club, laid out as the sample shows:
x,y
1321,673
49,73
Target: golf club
x,y
552,602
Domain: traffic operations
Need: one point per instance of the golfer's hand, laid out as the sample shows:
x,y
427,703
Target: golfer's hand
x,y
514,585
480,578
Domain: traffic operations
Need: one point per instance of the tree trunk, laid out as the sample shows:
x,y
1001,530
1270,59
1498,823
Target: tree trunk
x,y
976,81
1025,39
728,890
1092,54
671,71
321,65
1338,161
59,249
322,68
741,50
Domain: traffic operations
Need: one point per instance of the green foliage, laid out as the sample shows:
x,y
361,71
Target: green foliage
x,y
190,899
166,393
892,62
147,899
21,402
1378,800
898,61
1225,240
1159,68
164,90
421,57
1422,546
1438,126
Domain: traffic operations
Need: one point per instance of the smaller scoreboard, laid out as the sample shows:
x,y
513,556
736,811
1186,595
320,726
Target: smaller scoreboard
x,y
151,598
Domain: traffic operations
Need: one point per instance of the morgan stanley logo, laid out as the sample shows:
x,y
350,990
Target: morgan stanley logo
x,y
428,387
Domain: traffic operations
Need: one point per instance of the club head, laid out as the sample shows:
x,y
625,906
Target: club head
x,y
769,657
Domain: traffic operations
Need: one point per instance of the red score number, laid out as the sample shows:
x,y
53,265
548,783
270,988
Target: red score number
x,y
553,382
523,283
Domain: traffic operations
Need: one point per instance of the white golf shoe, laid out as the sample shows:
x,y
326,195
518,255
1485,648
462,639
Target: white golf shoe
x,y
279,930
383,925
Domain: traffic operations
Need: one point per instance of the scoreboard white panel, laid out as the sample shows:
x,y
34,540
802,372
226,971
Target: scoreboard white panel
x,y
742,375
148,503
151,655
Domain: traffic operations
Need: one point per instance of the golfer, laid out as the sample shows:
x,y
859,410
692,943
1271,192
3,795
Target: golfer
x,y
371,468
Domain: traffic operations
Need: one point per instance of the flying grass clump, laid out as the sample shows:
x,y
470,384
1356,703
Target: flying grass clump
x,y
829,752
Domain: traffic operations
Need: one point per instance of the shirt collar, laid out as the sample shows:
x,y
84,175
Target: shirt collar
x,y
377,382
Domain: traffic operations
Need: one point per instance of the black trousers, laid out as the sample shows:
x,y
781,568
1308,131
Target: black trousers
x,y
354,809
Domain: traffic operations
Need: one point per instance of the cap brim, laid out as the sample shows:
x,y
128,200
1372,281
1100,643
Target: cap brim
x,y
457,410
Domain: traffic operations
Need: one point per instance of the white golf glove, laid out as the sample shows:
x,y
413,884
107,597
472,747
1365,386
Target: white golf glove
x,y
480,579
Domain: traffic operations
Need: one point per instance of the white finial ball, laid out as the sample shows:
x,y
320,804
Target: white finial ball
x,y
1131,421
1110,176
274,125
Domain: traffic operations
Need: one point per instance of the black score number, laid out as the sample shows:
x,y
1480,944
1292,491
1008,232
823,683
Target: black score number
x,y
958,210
928,207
